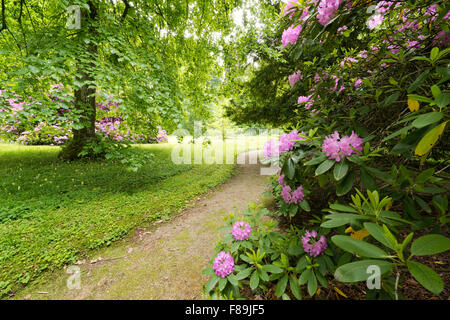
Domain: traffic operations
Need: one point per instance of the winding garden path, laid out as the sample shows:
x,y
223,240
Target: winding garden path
x,y
165,261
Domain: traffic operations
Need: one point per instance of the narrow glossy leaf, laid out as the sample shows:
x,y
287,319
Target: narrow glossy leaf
x,y
343,208
426,276
324,167
345,185
295,288
305,205
424,175
312,284
429,139
212,283
272,269
377,232
254,280
427,119
340,170
420,79
430,244
222,283
244,273
359,247
281,286
367,181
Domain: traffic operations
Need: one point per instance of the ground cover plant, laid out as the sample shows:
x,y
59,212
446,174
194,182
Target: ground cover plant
x,y
52,212
362,183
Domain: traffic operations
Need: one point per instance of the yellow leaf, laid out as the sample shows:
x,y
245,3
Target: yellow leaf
x,y
360,234
413,105
340,292
429,140
349,229
318,291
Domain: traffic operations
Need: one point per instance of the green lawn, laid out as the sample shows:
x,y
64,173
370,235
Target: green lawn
x,y
53,213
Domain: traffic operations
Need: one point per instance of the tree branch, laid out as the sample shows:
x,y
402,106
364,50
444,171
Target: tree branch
x,y
125,11
3,17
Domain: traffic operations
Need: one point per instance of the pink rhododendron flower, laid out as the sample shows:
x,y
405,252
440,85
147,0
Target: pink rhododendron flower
x,y
338,148
313,246
271,149
241,230
290,8
290,35
288,140
223,264
281,179
292,197
358,83
294,78
375,21
326,10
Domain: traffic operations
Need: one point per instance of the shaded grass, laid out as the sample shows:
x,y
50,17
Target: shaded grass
x,y
53,213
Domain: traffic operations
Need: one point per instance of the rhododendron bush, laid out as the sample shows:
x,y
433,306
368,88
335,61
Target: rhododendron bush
x,y
362,91
21,122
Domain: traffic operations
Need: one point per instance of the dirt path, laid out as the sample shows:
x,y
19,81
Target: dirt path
x,y
166,261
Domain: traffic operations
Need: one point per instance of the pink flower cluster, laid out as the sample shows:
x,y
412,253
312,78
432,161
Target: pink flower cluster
x,y
286,143
290,8
288,140
241,230
290,35
338,148
313,246
271,149
223,264
326,10
292,197
294,78
162,135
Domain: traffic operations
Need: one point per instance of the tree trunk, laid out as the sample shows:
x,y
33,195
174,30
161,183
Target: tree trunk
x,y
85,95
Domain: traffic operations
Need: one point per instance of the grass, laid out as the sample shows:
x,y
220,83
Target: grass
x,y
53,213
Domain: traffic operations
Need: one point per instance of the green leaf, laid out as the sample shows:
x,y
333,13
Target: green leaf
x,y
272,269
377,232
429,139
359,247
443,100
243,274
304,277
295,288
391,99
340,219
212,283
340,170
305,205
343,208
424,176
290,171
324,167
254,280
345,185
281,286
312,284
232,279
222,283
209,270
426,276
427,119
367,181
420,79
357,271
430,244
315,161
